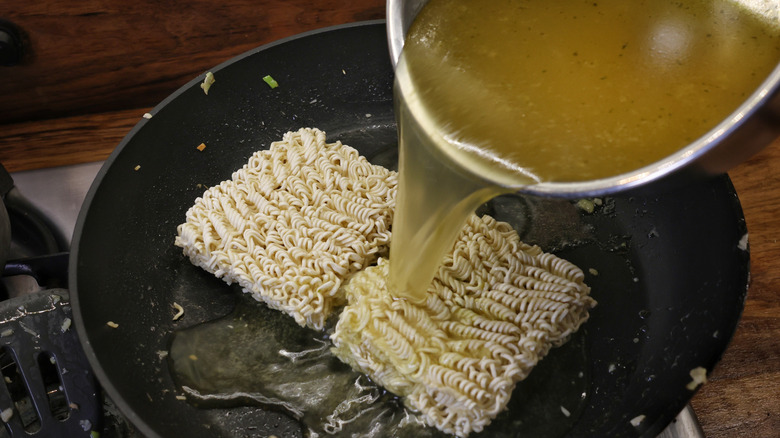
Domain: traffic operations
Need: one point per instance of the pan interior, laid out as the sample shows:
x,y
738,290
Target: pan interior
x,y
669,269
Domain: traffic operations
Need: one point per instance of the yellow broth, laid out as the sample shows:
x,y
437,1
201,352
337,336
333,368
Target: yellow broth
x,y
578,90
524,91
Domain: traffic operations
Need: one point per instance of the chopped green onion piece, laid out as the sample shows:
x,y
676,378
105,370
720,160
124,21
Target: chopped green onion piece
x,y
207,81
270,81
587,205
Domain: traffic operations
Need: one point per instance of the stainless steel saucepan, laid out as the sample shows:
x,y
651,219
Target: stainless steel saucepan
x,y
751,127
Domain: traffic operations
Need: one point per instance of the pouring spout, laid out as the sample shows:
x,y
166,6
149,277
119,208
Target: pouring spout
x,y
400,15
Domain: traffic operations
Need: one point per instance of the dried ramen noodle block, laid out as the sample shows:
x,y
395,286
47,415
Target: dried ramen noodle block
x,y
293,223
495,309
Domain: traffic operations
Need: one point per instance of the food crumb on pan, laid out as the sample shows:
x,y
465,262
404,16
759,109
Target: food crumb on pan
x,y
589,205
743,243
147,115
6,333
162,354
586,205
593,271
179,311
74,406
565,411
201,147
636,421
29,330
112,324
270,81
65,325
6,414
86,425
208,81
137,167
699,375
181,397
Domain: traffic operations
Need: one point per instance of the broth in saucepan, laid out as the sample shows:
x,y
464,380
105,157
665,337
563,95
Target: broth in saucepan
x,y
518,92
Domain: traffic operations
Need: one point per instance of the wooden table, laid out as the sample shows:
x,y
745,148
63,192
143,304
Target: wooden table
x,y
98,66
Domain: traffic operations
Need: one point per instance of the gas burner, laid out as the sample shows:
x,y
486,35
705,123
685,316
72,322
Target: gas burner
x,y
48,387
36,253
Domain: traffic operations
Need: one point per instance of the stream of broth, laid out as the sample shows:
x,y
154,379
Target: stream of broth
x,y
493,95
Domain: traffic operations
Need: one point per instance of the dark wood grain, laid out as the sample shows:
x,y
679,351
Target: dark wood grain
x,y
742,398
98,65
103,55
66,140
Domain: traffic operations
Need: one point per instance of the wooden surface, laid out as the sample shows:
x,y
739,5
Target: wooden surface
x,y
97,66
98,55
742,398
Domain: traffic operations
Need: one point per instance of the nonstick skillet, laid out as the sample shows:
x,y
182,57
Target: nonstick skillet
x,y
669,268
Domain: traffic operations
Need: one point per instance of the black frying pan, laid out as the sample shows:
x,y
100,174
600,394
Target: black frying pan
x,y
667,268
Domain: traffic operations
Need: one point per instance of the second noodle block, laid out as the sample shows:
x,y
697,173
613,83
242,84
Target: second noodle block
x,y
494,310
303,226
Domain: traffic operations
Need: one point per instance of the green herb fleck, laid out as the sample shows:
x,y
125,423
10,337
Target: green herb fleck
x,y
586,205
270,81
207,81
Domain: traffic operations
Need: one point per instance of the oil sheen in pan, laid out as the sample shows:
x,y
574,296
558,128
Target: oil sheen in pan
x,y
259,357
